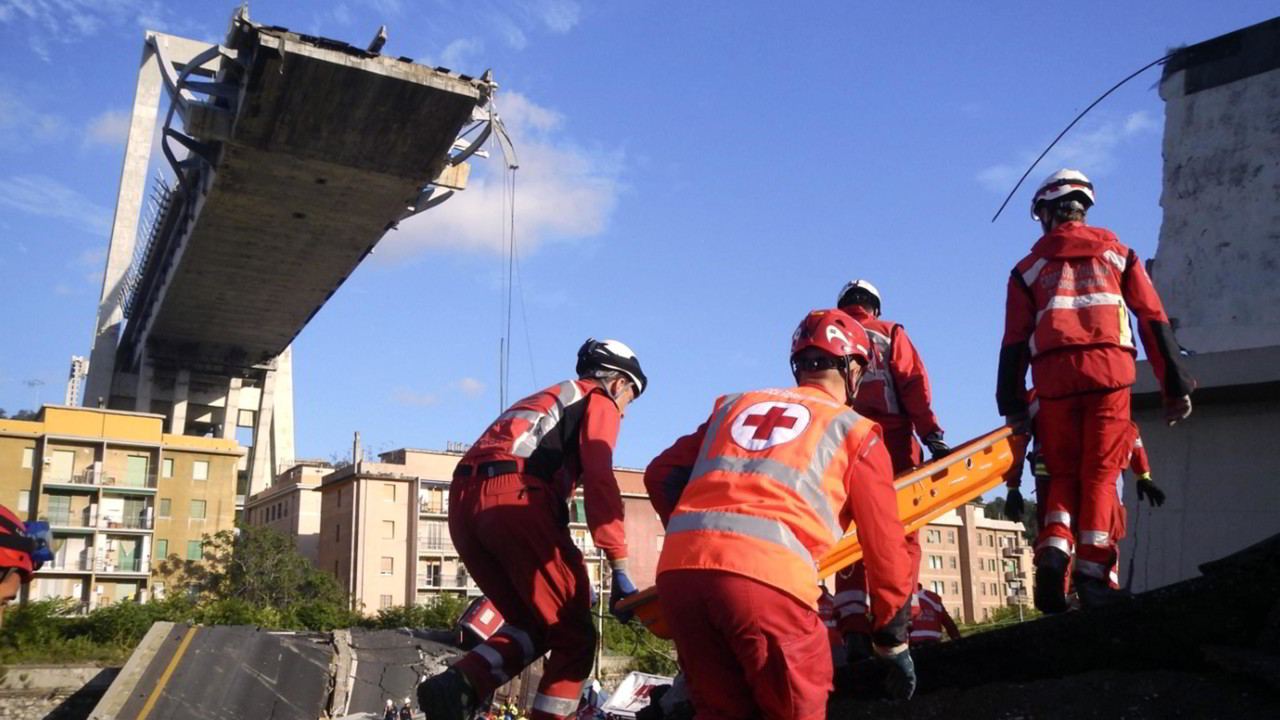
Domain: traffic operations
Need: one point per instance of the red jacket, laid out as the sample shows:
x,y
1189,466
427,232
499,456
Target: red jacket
x,y
811,483
930,618
895,387
565,434
1067,316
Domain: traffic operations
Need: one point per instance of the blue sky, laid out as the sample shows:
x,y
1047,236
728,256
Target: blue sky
x,y
695,177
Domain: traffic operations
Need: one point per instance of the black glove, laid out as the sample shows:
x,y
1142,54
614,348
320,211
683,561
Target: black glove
x,y
899,672
1013,506
937,448
1148,491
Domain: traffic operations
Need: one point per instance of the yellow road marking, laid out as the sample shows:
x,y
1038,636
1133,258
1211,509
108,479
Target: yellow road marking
x,y
168,673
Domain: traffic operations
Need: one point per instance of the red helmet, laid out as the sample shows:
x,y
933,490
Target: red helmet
x,y
15,545
833,331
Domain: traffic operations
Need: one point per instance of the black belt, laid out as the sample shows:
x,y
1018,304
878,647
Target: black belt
x,y
488,469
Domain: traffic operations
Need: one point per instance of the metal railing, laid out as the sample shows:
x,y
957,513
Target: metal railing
x,y
439,545
126,523
112,481
71,519
82,564
430,508
128,565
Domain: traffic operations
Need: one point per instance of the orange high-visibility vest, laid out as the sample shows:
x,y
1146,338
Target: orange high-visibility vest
x,y
766,492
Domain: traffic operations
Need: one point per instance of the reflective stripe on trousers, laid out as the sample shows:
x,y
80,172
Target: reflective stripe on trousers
x,y
562,707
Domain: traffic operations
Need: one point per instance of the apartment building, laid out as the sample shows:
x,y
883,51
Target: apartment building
x,y
385,535
975,563
291,505
119,494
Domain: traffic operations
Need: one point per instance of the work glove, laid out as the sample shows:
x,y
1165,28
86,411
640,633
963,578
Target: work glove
x,y
899,671
1177,409
622,588
1020,422
1147,490
1013,506
937,448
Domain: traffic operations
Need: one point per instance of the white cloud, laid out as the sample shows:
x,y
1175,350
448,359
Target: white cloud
x,y
45,197
108,128
1091,149
405,396
470,387
564,191
558,16
48,22
20,123
457,55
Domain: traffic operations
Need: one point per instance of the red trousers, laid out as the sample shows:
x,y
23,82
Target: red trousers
x,y
749,649
851,584
508,532
1087,440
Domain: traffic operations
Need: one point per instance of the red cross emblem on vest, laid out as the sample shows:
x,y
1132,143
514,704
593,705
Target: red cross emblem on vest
x,y
765,424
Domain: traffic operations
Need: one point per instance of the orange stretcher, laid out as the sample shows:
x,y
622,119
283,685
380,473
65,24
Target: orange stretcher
x,y
924,493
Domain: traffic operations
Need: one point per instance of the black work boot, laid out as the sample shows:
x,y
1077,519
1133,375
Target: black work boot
x,y
1096,592
447,696
1051,581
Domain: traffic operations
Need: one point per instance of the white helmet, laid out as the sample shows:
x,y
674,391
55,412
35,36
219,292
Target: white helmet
x,y
865,287
611,355
1063,182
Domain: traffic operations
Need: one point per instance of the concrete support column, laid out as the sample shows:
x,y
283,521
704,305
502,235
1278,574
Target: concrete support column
x,y
133,180
181,391
261,470
282,435
231,409
146,384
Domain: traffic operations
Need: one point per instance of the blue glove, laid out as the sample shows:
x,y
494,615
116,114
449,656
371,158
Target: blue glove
x,y
899,673
622,588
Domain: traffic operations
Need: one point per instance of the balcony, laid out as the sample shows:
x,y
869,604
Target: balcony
x,y
125,566
76,564
71,520
126,523
1013,552
111,483
432,508
1012,575
436,546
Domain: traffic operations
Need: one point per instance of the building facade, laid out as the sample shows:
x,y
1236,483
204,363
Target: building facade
x,y
385,534
119,494
975,563
291,505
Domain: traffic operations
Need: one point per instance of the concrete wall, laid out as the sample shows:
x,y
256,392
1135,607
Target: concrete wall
x,y
1218,256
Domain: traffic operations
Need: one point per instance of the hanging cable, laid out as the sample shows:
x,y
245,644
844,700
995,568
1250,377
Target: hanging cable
x,y
1101,97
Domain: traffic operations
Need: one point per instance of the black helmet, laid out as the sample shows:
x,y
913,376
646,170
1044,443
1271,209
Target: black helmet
x,y
611,355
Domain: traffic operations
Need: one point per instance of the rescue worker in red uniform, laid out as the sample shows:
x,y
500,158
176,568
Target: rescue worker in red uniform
x,y
895,394
508,517
929,618
1067,317
24,548
775,477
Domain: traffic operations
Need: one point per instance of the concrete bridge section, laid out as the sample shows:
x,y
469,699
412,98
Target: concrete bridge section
x,y
237,672
290,157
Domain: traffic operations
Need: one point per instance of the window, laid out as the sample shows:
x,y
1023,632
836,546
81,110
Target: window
x,y
166,468
979,539
991,540
162,549
953,562
388,566
389,529
337,533
135,470
60,509
933,536
995,589
197,509
62,465
939,587
986,613
339,498
385,599
955,588
983,587
24,500
28,457
200,470
194,550
935,562
951,536
389,492
166,506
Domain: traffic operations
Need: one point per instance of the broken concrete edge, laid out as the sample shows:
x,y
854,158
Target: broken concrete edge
x,y
341,672
113,701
